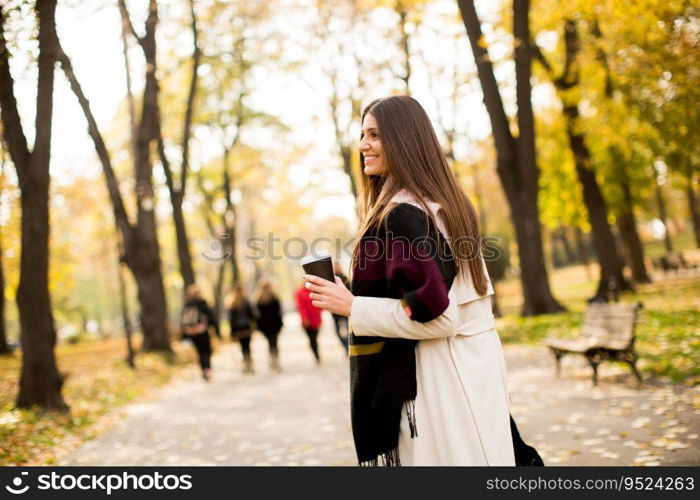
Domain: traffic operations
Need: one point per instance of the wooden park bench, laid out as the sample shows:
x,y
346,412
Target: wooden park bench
x,y
672,262
607,334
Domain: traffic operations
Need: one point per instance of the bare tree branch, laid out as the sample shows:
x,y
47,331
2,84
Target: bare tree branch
x,y
187,131
492,97
13,134
129,92
126,21
115,196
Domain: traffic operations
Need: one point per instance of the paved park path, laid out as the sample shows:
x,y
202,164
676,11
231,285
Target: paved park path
x,y
301,415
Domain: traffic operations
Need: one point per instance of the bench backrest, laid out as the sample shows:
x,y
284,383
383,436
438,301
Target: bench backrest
x,y
610,325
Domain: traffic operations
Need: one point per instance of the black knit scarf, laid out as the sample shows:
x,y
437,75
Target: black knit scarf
x,y
383,370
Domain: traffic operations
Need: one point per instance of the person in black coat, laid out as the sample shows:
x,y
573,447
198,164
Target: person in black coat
x,y
195,320
341,322
269,318
242,320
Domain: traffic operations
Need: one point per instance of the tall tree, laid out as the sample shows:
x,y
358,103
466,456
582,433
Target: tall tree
x,y
177,192
4,347
516,163
627,221
235,46
408,19
139,239
611,265
335,30
660,173
40,381
662,83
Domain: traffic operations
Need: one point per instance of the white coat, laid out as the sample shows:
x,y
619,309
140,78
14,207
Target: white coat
x,y
462,407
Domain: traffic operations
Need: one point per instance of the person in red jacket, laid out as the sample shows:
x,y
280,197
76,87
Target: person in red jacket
x,y
310,318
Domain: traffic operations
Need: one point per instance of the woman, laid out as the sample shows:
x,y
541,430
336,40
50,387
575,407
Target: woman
x,y
195,320
242,321
269,319
428,375
310,319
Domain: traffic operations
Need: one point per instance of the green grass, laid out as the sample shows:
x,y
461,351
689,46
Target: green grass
x,y
668,333
683,242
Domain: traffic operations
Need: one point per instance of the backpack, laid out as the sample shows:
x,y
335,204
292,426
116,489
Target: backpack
x,y
193,321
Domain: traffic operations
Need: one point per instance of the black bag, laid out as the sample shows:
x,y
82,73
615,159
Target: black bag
x,y
192,321
525,455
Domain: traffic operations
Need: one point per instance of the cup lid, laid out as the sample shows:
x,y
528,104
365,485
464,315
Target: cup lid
x,y
313,257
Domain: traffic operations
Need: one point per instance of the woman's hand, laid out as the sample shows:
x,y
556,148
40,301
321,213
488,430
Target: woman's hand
x,y
333,297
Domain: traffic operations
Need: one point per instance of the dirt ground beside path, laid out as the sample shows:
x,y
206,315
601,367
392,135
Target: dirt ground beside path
x,y
301,416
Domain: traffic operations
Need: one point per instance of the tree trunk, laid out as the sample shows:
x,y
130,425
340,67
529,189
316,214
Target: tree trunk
x,y
661,205
219,290
581,247
603,239
532,267
561,236
230,221
627,224
346,155
40,382
143,258
402,10
124,303
633,253
141,248
611,266
177,195
233,257
257,267
693,208
176,198
516,165
183,247
4,347
533,273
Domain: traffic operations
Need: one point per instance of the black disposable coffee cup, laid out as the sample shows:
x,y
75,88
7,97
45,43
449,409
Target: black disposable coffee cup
x,y
319,265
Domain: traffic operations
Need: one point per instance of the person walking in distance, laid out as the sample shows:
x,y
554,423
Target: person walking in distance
x,y
242,321
269,313
310,319
340,321
195,320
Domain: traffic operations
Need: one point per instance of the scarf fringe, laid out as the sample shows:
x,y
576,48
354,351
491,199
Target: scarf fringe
x,y
391,458
387,459
411,414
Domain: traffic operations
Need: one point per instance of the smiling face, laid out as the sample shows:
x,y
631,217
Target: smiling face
x,y
373,157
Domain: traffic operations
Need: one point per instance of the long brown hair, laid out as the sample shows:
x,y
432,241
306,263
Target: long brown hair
x,y
237,297
417,163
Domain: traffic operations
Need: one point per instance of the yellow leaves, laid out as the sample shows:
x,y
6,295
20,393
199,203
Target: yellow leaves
x,y
98,382
482,42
